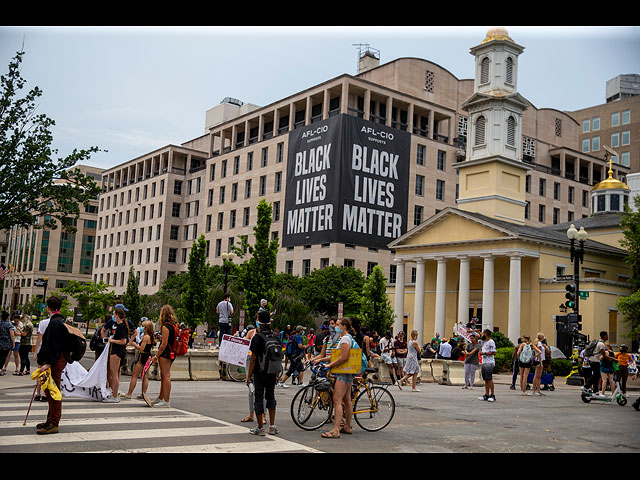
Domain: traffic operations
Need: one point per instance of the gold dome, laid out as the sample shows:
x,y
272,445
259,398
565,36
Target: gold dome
x,y
610,182
497,33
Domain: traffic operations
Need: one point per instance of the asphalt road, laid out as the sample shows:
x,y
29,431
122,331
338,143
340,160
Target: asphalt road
x,y
205,416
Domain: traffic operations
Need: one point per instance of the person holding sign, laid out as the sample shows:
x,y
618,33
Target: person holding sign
x,y
342,387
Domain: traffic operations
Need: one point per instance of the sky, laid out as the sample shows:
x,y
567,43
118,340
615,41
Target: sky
x,y
131,90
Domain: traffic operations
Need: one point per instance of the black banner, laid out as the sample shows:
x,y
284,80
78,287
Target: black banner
x,y
347,182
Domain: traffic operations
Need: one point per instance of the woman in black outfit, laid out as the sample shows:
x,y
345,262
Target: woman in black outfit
x,y
118,341
165,356
145,353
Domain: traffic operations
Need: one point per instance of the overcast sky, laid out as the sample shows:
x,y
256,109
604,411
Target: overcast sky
x,y
132,90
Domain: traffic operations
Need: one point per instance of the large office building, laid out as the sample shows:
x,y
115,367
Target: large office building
x,y
52,255
349,165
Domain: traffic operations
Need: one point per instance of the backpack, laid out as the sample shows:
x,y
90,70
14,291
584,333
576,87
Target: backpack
x,y
180,341
96,344
270,361
74,344
590,348
525,354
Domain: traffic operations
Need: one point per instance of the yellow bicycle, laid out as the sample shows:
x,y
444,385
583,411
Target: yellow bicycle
x,y
373,405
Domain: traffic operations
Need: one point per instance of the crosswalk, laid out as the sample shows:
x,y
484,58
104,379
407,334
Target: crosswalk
x,y
127,427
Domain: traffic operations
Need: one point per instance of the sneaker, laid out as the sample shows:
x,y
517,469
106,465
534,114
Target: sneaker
x,y
471,387
282,385
162,403
540,393
512,387
465,387
112,400
257,431
301,384
47,429
484,397
492,398
273,430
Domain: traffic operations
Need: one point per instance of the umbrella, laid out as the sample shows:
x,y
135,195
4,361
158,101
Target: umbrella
x,y
557,353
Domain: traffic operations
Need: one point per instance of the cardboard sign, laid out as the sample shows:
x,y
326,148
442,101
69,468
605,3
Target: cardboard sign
x,y
353,364
234,350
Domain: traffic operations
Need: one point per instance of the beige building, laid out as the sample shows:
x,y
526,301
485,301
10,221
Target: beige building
x,y
154,206
52,255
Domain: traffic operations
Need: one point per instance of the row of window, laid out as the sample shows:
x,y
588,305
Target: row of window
x,y
542,191
618,139
617,119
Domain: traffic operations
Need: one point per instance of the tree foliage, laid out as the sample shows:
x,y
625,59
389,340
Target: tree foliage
x,y
630,306
93,299
375,308
31,178
131,297
194,298
322,289
257,274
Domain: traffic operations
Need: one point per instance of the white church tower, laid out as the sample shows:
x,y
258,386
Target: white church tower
x,y
492,176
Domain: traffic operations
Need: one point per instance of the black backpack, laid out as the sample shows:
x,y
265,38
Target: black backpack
x,y
74,344
96,344
271,360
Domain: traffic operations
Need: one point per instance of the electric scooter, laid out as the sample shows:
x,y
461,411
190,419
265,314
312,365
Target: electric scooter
x,y
587,396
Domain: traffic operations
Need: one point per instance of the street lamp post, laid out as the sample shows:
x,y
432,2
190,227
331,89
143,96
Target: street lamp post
x,y
577,257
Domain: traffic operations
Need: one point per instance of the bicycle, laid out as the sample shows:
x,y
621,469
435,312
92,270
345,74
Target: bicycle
x,y
373,405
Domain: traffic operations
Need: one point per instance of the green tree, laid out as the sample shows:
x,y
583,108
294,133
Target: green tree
x,y
31,178
93,299
375,308
131,297
323,288
257,274
289,307
194,298
630,306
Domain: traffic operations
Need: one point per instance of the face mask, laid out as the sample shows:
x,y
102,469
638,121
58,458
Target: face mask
x,y
332,329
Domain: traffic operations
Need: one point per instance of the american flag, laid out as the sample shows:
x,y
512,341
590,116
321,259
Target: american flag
x,y
3,271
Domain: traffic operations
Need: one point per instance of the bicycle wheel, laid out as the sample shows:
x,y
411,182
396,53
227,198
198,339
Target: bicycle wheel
x,y
374,409
236,373
311,409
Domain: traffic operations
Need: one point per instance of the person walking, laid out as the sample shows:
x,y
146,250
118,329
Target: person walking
x,y
25,344
145,346
15,348
118,340
402,351
471,361
295,350
251,331
263,381
525,355
623,359
224,311
539,359
165,357
7,340
488,352
342,387
515,363
412,365
388,354
51,357
594,360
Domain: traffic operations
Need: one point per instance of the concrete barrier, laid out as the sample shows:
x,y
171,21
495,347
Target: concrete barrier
x,y
204,365
453,374
195,365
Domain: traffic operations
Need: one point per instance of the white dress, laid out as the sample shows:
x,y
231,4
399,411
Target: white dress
x,y
412,366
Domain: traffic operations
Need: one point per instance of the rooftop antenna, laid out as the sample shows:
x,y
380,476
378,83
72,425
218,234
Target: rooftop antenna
x,y
365,49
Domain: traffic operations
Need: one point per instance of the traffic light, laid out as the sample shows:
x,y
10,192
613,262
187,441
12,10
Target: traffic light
x,y
575,322
570,296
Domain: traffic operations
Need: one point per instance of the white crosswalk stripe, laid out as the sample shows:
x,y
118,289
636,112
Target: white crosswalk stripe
x,y
90,427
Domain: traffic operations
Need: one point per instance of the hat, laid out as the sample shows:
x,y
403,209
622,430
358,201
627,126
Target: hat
x,y
324,327
119,305
143,319
263,301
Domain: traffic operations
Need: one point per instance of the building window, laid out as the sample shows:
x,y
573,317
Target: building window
x,y
595,144
511,131
626,138
558,127
420,154
289,267
626,117
417,214
615,119
173,254
556,191
586,125
556,216
480,126
429,81
542,187
420,185
484,70
306,267
595,123
541,213
509,68
177,188
441,162
585,145
439,189
615,140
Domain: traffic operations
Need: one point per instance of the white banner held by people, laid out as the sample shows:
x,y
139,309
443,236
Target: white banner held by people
x,y
234,350
76,381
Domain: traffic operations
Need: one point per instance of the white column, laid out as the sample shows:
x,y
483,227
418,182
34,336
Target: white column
x,y
463,291
418,307
441,297
515,283
487,293
398,306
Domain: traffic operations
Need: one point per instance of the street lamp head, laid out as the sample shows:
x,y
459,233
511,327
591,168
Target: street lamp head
x,y
225,256
582,234
572,232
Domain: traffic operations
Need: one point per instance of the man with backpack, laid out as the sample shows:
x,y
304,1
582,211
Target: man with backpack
x,y
295,352
264,367
593,351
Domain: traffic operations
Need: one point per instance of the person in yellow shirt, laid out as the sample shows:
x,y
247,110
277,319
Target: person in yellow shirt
x,y
623,357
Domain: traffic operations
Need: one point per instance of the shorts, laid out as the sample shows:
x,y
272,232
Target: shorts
x,y
388,359
345,377
487,371
401,362
16,347
606,370
525,365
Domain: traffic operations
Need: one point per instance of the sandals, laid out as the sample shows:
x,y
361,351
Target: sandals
x,y
330,434
347,432
247,419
